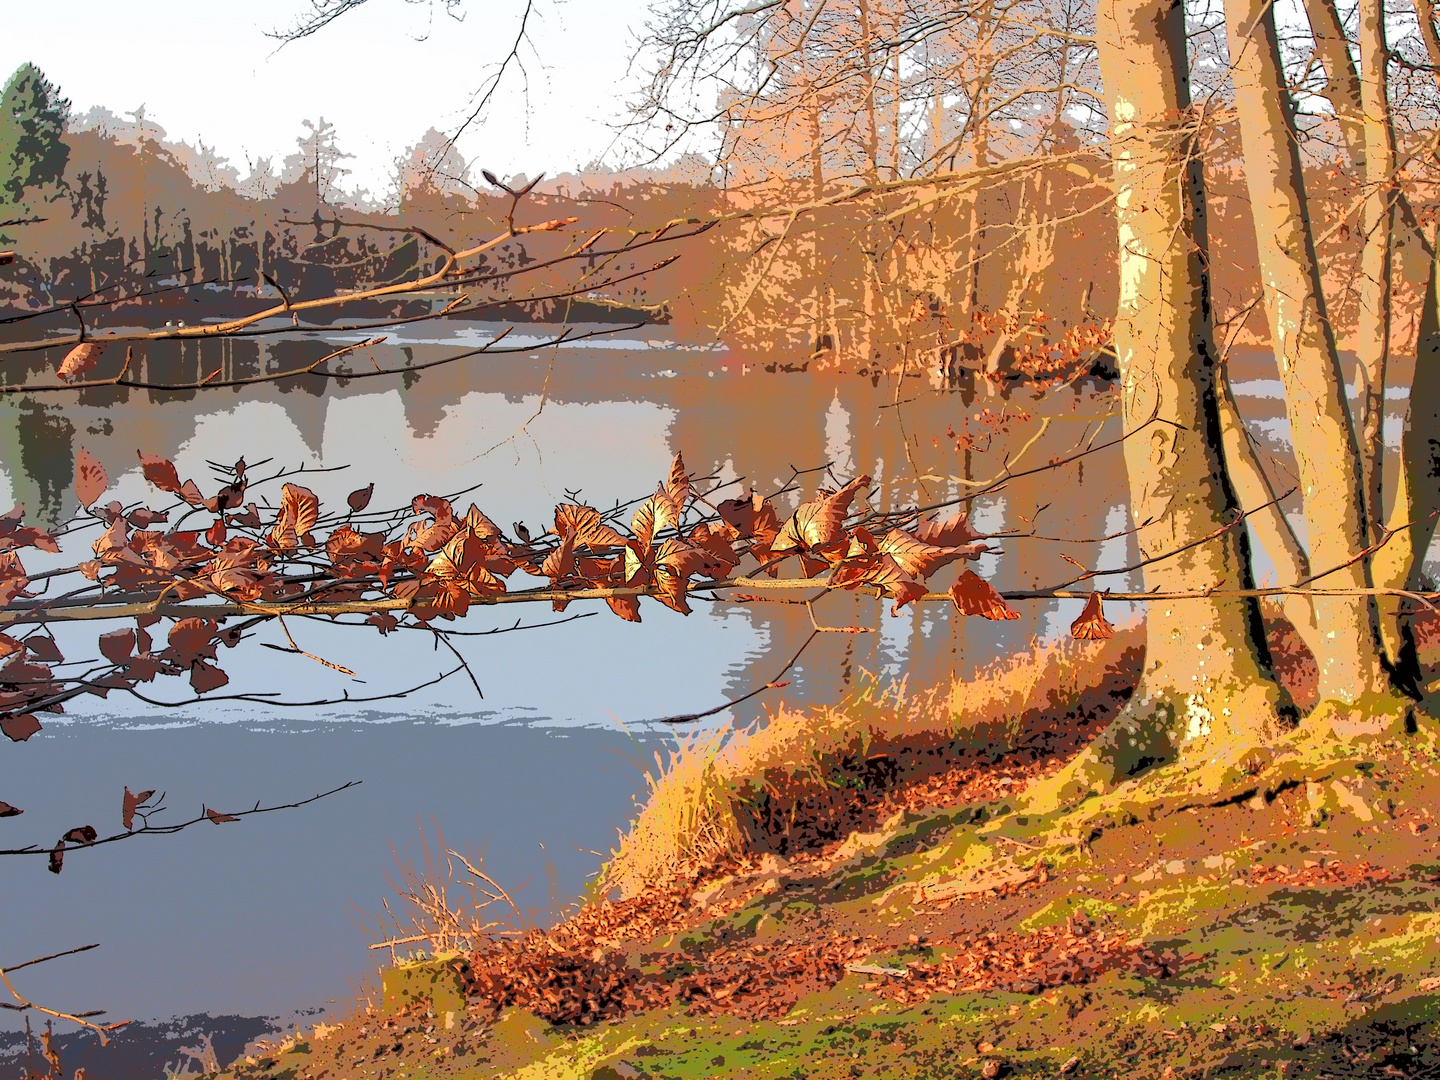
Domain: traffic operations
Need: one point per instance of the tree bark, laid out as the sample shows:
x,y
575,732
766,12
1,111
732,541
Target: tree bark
x,y
1377,223
1352,675
1342,81
1399,564
1206,696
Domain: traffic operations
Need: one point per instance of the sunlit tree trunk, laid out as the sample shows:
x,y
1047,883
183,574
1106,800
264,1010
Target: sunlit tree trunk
x,y
1342,81
1377,226
1258,498
1352,675
1399,564
1206,693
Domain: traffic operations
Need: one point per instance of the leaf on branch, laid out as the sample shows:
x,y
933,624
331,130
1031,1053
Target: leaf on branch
x,y
1092,625
218,818
750,517
190,492
117,645
585,524
90,478
206,677
481,525
130,803
13,581
227,498
973,595
675,562
81,834
919,559
884,572
678,486
215,535
44,649
18,727
384,621
462,562
714,537
654,515
359,499
627,607
952,532
299,511
143,519
160,472
818,526
57,858
9,646
6,810
191,640
80,360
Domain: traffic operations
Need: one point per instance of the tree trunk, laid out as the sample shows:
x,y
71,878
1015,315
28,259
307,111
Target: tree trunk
x,y
1206,694
1342,81
1399,564
1257,498
1377,226
1352,675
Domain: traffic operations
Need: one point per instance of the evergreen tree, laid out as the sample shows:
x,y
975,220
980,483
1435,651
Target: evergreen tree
x,y
32,119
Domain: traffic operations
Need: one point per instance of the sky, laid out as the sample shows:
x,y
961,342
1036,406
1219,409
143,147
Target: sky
x,y
382,74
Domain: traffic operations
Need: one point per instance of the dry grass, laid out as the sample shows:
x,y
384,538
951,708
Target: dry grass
x,y
692,815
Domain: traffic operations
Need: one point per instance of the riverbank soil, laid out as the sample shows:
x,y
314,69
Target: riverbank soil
x,y
1291,930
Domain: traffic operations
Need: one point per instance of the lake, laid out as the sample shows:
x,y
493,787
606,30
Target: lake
x,y
271,917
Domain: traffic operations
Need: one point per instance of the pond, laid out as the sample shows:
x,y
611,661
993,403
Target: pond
x,y
272,917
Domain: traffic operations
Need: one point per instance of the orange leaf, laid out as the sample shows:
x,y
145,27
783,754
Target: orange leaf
x,y
627,607
90,478
952,532
479,524
218,818
1091,625
920,559
584,522
654,514
819,525
301,506
79,360
678,486
973,595
160,472
461,563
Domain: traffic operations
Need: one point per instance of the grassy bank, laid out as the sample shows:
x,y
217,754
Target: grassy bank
x,y
849,891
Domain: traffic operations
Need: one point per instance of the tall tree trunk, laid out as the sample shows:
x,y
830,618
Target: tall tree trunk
x,y
1352,675
1206,693
1377,226
1257,498
1399,564
1342,81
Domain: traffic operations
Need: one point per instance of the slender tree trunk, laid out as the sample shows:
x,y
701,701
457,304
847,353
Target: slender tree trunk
x,y
1206,694
1377,226
1399,564
1258,498
1352,675
1342,81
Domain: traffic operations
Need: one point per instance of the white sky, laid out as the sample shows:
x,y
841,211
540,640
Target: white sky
x,y
382,74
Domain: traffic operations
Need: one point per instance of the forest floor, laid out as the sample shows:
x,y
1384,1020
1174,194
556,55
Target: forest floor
x,y
923,927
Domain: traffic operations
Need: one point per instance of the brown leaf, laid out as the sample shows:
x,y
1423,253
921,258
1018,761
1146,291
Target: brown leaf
x,y
44,649
218,818
9,646
627,607
81,834
359,499
952,532
57,858
920,559
678,486
190,492
675,562
818,526
12,577
884,572
973,595
653,515
300,507
160,472
560,563
1091,625
215,535
206,677
117,645
143,519
714,538
191,640
751,516
129,804
462,562
79,360
384,621
480,525
90,478
584,521
18,727
6,810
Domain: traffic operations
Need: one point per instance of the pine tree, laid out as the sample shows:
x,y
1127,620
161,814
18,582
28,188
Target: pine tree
x,y
32,119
